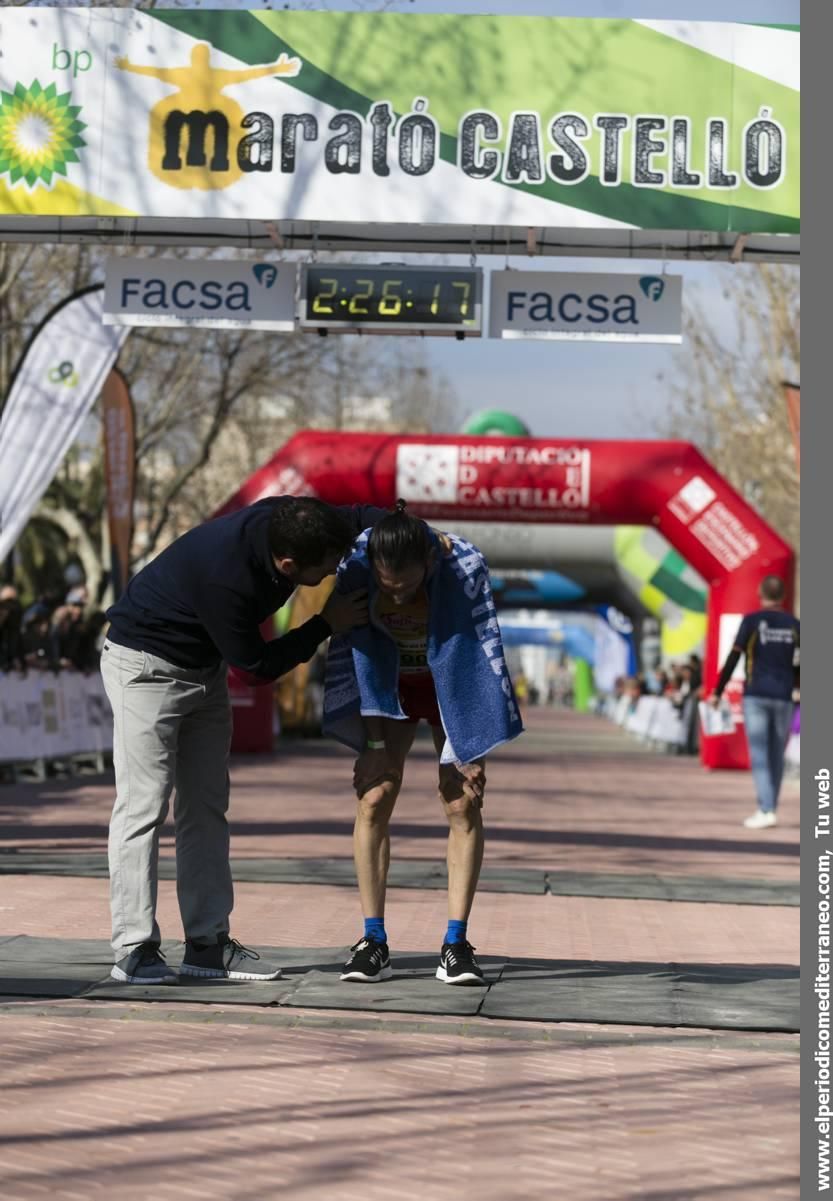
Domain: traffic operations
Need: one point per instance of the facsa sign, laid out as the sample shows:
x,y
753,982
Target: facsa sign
x,y
606,308
224,293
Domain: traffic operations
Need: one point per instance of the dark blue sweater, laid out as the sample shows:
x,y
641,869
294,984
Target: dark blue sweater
x,y
204,598
770,639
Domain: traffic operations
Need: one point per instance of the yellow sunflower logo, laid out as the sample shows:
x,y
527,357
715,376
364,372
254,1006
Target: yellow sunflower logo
x,y
39,133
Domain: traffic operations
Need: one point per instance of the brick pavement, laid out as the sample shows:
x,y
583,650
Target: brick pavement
x,y
146,1109
140,1102
574,793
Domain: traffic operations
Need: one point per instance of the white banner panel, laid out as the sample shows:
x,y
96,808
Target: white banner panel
x,y
729,626
588,307
54,388
49,716
223,293
612,655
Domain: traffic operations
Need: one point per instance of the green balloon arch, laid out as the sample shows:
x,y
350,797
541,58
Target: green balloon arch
x,y
494,421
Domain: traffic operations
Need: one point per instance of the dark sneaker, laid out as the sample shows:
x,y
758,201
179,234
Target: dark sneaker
x,y
458,964
144,965
369,963
225,960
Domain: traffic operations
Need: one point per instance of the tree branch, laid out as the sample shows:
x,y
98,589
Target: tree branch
x,y
70,524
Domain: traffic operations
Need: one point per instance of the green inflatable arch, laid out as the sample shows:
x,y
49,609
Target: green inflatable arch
x,y
494,421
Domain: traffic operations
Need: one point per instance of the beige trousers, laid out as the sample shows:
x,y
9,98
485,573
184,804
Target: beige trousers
x,y
172,730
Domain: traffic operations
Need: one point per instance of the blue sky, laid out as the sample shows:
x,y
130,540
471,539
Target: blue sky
x,y
573,389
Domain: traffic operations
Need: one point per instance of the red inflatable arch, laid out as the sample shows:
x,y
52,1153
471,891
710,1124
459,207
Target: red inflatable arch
x,y
666,484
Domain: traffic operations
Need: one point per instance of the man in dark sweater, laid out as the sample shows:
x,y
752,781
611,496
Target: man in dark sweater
x,y
770,639
196,608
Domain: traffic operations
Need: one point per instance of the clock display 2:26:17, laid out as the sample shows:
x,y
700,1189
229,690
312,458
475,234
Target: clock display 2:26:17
x,y
438,297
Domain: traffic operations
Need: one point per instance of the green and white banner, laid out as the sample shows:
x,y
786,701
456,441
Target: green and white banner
x,y
400,118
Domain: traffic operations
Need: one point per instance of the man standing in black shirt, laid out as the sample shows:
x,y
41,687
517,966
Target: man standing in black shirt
x,y
196,608
770,640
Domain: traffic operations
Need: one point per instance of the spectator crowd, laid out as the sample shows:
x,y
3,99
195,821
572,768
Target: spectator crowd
x,y
53,634
681,684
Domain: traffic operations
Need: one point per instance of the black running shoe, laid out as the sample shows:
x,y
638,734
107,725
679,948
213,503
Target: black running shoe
x,y
369,963
458,964
227,959
144,965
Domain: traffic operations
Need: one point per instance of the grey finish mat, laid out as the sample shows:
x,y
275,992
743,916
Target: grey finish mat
x,y
715,996
712,996
705,889
428,873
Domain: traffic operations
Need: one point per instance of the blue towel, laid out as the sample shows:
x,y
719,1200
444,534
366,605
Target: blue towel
x,y
465,656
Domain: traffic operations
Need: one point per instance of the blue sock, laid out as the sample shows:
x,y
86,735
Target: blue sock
x,y
374,927
456,931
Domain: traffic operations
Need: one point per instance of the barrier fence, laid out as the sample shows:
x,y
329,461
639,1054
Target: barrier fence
x,y
46,716
657,721
653,719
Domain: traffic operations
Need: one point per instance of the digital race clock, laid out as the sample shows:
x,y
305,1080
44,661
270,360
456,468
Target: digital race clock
x,y
398,299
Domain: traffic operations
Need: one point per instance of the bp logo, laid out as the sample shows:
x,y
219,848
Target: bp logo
x,y
39,133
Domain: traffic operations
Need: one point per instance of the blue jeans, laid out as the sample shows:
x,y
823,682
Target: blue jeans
x,y
767,730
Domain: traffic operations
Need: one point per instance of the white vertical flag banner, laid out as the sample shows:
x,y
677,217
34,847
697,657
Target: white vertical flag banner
x,y
56,383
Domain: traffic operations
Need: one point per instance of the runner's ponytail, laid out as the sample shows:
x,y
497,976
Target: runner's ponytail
x,y
399,539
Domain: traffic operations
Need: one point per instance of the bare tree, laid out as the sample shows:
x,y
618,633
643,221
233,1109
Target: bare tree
x,y
731,400
212,406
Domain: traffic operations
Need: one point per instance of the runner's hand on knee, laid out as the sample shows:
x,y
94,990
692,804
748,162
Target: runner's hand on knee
x,y
474,780
462,779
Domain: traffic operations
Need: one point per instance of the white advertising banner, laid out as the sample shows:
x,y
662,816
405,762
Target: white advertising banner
x,y
53,390
728,631
48,716
715,722
587,307
612,656
224,293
